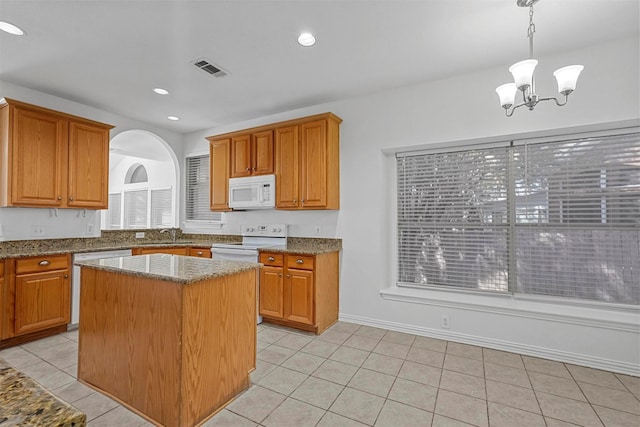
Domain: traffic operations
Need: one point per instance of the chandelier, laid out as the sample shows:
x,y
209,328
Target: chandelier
x,y
522,71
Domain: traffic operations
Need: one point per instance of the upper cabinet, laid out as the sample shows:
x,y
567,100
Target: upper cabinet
x,y
52,159
219,149
252,154
308,165
303,153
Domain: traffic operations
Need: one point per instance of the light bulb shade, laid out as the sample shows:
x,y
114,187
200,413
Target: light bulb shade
x,y
507,94
523,73
567,78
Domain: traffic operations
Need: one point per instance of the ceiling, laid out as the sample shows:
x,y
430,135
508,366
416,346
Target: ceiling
x,y
110,54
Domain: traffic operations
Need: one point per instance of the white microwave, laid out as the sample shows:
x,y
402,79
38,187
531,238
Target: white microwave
x,y
252,192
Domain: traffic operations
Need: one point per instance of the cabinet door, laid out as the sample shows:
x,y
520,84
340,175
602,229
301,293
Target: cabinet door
x,y
219,174
88,166
313,165
241,164
41,301
39,162
262,153
271,292
287,163
298,298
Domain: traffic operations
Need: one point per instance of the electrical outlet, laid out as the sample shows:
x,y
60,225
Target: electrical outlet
x,y
89,228
140,235
444,322
37,230
317,230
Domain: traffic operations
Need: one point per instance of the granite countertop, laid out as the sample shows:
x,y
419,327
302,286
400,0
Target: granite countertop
x,y
23,402
174,268
308,246
115,240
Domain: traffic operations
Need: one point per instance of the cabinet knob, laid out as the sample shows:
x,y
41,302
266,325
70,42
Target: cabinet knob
x,y
295,202
248,169
299,261
271,258
199,252
279,274
44,263
288,276
66,276
71,199
59,197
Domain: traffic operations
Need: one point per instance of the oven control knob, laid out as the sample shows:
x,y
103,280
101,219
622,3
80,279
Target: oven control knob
x,y
249,229
276,230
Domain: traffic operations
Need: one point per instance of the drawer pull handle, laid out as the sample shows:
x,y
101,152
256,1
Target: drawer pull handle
x,y
199,252
299,261
271,259
44,263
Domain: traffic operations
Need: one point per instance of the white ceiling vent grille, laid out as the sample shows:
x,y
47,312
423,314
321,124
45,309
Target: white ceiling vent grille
x,y
205,65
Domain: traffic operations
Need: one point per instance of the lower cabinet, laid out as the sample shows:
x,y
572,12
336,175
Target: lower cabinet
x,y
299,291
178,250
36,296
197,251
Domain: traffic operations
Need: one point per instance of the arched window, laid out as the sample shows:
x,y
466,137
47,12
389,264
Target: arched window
x,y
136,173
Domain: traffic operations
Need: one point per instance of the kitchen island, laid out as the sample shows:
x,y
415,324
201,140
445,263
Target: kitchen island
x,y
171,337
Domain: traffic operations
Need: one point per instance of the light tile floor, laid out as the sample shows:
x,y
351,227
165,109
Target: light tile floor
x,y
354,375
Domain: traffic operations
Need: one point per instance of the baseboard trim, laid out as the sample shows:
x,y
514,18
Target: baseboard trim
x,y
535,351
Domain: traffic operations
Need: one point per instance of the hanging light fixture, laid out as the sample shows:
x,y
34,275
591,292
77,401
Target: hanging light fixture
x,y
522,71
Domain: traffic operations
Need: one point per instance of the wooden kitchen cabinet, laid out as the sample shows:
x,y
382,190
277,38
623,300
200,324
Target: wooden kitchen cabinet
x,y
300,291
52,159
308,164
201,252
36,298
175,250
219,151
252,154
304,154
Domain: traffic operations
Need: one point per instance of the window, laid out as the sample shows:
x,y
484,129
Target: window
x,y
557,218
197,191
136,174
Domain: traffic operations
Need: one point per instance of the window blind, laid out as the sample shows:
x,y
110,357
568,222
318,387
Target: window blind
x,y
578,218
114,212
197,205
161,208
135,208
558,218
452,219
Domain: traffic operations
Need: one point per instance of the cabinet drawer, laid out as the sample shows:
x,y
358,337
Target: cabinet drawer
x,y
42,263
275,260
200,252
302,262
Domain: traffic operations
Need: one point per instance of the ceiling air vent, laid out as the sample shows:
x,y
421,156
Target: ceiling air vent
x,y
209,68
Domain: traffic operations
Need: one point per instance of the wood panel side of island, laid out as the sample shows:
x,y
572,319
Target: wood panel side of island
x,y
129,344
219,342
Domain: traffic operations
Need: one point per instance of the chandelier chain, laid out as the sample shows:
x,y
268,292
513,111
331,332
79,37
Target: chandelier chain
x,y
531,30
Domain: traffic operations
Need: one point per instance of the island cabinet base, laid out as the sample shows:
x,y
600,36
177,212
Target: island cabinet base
x,y
174,353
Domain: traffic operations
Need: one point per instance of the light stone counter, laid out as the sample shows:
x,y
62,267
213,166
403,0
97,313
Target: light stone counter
x,y
174,268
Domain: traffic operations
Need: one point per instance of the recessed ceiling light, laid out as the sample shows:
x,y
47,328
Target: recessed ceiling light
x,y
306,39
161,91
11,29
174,118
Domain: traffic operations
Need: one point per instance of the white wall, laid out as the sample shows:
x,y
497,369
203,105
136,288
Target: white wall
x,y
464,108
16,223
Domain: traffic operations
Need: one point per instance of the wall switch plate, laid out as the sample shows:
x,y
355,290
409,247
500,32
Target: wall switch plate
x,y
140,235
37,230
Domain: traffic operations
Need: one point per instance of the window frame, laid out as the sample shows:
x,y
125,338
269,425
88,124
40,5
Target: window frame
x,y
471,298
